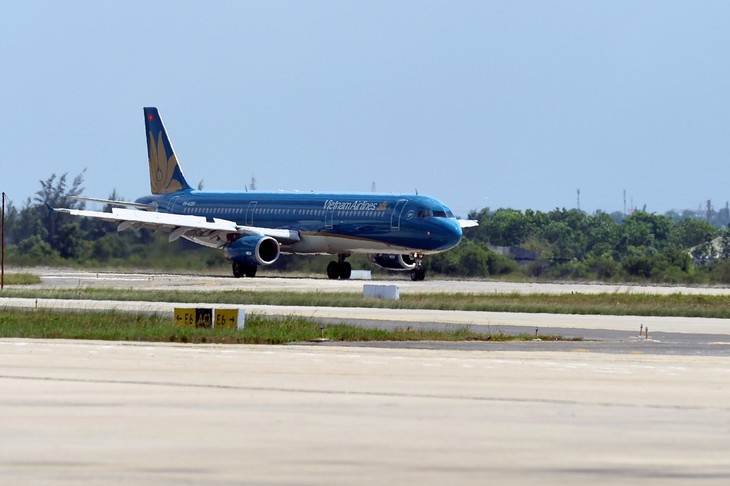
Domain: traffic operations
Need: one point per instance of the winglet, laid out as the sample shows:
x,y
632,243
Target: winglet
x,y
166,176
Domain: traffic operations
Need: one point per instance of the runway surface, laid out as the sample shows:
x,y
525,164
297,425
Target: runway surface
x,y
615,408
115,413
69,278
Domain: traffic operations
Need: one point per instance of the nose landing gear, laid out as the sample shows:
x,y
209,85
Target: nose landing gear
x,y
418,273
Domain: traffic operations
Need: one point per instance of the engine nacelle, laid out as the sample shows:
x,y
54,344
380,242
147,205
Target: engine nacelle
x,y
253,250
393,262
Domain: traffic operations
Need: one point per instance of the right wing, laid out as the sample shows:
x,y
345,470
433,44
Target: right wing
x,y
468,223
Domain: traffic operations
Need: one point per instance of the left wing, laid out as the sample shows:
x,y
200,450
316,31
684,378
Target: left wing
x,y
214,233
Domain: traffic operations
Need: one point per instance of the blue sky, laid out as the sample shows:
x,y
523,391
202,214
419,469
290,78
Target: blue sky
x,y
480,104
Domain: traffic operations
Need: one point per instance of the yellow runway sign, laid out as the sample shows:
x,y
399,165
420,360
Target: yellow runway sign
x,y
210,318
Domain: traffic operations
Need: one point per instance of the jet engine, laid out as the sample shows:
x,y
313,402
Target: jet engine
x,y
253,250
393,262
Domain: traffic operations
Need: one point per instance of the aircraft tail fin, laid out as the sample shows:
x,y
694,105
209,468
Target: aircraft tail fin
x,y
166,175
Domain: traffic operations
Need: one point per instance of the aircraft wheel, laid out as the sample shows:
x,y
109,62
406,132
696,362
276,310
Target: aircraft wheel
x,y
345,270
333,271
250,270
418,274
238,271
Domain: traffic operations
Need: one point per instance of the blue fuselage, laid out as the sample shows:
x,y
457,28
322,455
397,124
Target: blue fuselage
x,y
328,223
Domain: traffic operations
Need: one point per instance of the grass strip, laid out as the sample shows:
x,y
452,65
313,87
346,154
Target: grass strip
x,y
21,279
114,326
678,305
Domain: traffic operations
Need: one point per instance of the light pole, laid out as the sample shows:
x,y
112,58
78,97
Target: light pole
x,y
2,259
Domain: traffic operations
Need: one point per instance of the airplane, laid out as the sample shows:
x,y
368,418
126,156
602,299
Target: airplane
x,y
254,228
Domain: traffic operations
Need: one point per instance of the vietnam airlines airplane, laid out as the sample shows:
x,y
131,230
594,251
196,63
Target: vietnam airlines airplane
x,y
254,228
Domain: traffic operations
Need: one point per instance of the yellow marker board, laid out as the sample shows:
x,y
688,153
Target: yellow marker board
x,y
209,318
227,318
184,317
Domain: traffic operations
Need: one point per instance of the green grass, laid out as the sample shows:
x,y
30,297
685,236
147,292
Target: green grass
x,y
21,279
681,305
112,326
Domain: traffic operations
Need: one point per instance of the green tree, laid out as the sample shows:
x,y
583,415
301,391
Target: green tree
x,y
688,233
603,234
68,240
647,230
506,227
603,266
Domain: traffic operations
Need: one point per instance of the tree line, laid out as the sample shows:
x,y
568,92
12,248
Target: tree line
x,y
559,244
571,244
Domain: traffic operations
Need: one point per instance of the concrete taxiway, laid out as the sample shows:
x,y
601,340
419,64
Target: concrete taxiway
x,y
111,413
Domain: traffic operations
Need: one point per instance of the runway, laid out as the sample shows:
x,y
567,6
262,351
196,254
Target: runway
x,y
614,409
116,413
64,278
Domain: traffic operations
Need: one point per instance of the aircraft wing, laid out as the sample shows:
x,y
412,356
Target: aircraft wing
x,y
215,233
467,223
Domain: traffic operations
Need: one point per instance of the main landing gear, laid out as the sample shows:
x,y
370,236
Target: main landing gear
x,y
339,269
240,269
418,273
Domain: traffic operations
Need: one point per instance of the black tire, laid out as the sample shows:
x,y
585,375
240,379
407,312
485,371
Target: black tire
x,y
345,270
250,270
333,271
237,270
418,274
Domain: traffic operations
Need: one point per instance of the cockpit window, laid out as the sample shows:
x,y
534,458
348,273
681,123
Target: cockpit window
x,y
436,213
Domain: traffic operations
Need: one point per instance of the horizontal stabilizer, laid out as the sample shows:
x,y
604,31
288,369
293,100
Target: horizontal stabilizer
x,y
124,204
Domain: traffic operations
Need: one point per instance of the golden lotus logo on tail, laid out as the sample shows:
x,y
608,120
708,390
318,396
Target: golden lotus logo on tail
x,y
162,168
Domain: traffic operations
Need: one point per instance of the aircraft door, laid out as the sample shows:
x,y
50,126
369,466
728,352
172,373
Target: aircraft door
x,y
249,212
329,217
396,214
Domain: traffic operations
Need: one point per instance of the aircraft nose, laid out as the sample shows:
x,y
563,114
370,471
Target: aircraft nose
x,y
450,235
455,232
